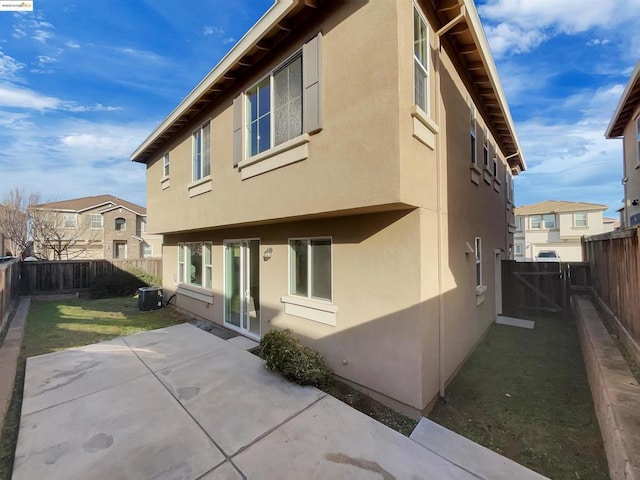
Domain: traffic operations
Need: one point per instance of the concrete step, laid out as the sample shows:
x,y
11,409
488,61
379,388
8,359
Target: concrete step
x,y
482,462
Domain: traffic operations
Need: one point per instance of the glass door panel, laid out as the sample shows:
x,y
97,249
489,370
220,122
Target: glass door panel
x,y
242,286
233,294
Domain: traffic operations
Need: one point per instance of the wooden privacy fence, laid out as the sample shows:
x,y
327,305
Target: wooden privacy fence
x,y
9,277
533,288
73,275
615,268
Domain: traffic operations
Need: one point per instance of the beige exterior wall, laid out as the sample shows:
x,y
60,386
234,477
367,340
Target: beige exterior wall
x,y
126,236
631,169
404,274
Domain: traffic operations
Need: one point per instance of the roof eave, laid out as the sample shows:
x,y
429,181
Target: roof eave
x,y
615,128
278,11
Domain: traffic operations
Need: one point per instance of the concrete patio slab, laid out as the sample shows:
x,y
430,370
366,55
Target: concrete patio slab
x,y
332,440
234,397
58,377
163,348
132,430
226,471
485,463
515,322
244,343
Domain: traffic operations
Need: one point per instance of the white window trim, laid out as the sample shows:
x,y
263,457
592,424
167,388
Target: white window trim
x,y
150,248
166,166
75,220
544,223
183,272
424,68
270,75
200,129
515,249
291,151
637,120
474,130
195,292
91,221
477,244
124,224
485,148
309,297
586,220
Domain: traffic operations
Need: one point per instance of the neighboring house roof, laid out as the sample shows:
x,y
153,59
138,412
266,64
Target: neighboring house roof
x,y
558,206
626,106
87,203
463,23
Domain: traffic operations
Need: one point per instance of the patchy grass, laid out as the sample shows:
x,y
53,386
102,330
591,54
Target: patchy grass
x,y
54,326
524,394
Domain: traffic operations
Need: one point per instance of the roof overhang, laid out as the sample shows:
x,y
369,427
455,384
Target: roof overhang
x,y
470,45
626,106
269,31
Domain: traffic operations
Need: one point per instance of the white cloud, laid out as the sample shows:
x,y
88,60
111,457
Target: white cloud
x,y
598,41
72,44
212,30
12,96
506,37
9,67
42,36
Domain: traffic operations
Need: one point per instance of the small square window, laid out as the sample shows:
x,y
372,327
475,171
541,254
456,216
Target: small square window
x,y
580,219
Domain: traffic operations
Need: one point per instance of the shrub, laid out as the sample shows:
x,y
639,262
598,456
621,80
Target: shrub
x,y
120,283
293,360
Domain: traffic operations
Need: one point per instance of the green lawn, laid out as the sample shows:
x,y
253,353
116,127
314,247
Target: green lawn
x,y
524,394
54,326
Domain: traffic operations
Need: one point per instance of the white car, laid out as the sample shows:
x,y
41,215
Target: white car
x,y
547,256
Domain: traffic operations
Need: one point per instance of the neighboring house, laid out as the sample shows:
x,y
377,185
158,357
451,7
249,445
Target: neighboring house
x,y
101,226
345,171
558,226
625,124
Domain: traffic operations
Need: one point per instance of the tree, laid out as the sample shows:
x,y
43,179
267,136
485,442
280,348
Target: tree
x,y
14,219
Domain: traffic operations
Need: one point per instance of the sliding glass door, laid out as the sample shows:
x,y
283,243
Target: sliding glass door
x,y
242,286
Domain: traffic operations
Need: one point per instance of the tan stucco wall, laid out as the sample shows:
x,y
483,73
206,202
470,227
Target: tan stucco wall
x,y
392,310
631,172
111,234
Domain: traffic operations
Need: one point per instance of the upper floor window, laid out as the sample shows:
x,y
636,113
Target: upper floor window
x,y
201,152
274,107
485,147
165,165
495,163
547,221
420,61
518,223
195,264
70,220
517,249
120,224
96,220
310,268
474,123
147,250
580,219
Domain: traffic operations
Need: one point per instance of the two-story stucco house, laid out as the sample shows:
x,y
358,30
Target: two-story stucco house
x,y
97,227
557,226
625,124
345,171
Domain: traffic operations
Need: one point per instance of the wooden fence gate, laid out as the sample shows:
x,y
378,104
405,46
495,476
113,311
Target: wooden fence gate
x,y
530,289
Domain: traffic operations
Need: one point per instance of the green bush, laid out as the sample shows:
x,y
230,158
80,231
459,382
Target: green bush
x,y
121,283
293,360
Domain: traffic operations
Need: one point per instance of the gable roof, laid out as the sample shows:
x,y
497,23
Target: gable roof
x,y
459,19
627,105
558,206
87,203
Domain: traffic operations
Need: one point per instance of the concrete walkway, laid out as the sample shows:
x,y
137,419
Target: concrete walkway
x,y
179,403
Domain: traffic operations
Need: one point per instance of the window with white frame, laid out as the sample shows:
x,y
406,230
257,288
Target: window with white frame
x,y
201,152
495,162
147,250
517,249
519,223
485,147
535,222
420,61
580,219
165,165
143,224
70,220
474,153
120,224
274,107
310,268
195,264
478,252
95,220
549,221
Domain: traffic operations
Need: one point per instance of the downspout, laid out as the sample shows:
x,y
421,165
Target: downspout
x,y
439,214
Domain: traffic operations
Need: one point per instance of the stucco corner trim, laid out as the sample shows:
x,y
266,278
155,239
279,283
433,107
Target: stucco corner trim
x,y
201,186
165,183
480,291
424,129
195,292
289,152
316,311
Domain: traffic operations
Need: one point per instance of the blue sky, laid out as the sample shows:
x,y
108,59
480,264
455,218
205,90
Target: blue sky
x,y
82,83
